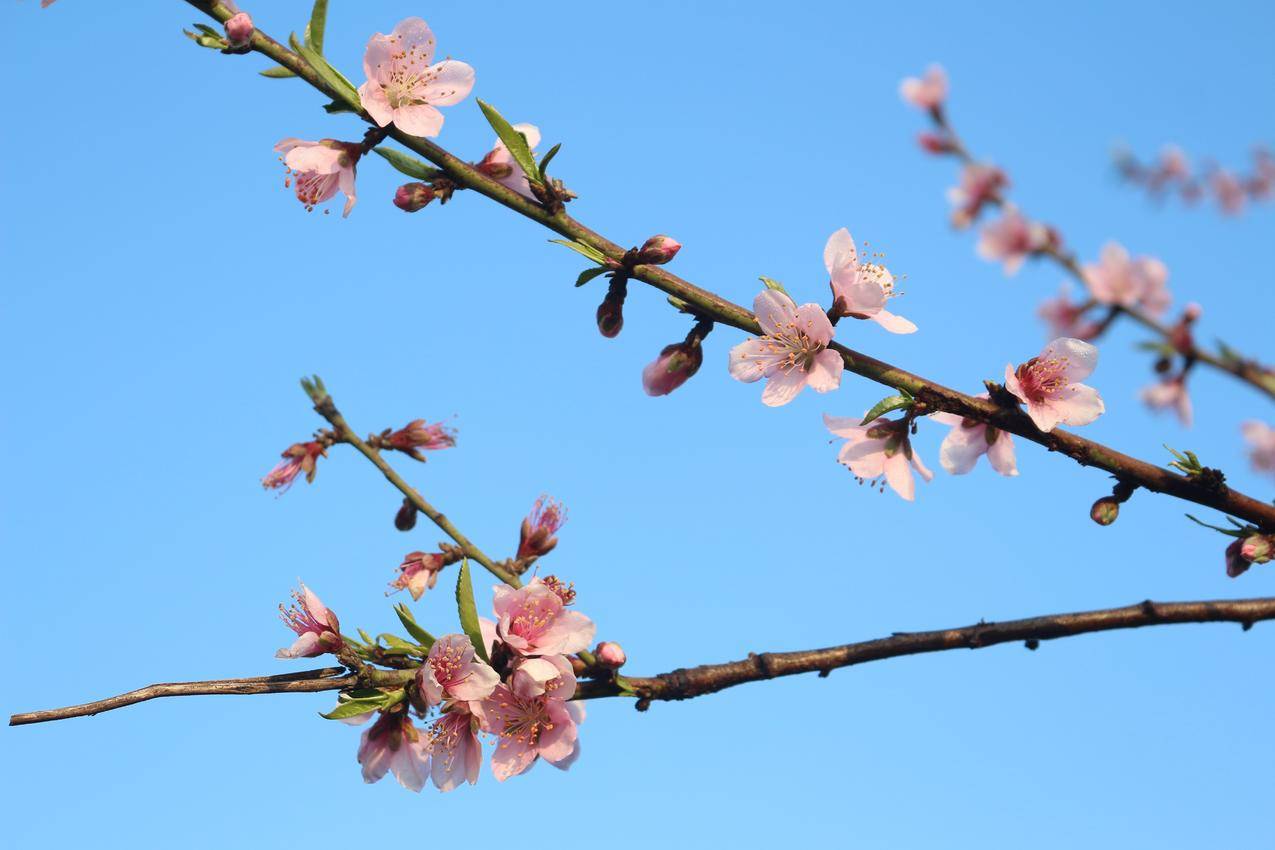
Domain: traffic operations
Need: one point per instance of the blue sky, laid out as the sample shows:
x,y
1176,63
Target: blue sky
x,y
163,293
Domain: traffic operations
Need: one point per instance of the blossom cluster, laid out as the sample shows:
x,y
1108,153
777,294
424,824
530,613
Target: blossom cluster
x,y
1171,173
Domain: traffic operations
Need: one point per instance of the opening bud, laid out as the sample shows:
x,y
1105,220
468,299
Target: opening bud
x,y
239,29
674,367
658,250
1258,548
1105,510
411,197
610,655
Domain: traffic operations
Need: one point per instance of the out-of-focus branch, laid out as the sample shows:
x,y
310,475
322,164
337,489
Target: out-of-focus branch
x,y
685,683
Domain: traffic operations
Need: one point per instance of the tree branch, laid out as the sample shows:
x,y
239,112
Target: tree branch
x,y
685,683
708,305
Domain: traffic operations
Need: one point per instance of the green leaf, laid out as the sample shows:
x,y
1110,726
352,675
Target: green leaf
x,y
367,639
278,72
397,644
208,31
318,23
678,304
362,701
1244,532
885,405
583,249
589,274
468,611
423,637
516,142
343,88
775,285
409,165
544,162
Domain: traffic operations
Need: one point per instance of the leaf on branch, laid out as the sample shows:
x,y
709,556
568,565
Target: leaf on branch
x,y
774,284
409,165
278,72
545,160
424,638
343,88
468,611
1244,530
583,249
395,645
362,701
888,404
589,274
318,23
516,142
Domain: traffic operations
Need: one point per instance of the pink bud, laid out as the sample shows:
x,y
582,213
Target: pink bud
x,y
935,143
411,197
1105,511
1258,548
239,29
658,250
1192,312
675,365
610,655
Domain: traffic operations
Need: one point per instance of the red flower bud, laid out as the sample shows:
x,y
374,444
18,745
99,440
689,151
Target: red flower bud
x,y
674,367
658,250
935,143
239,29
411,197
405,519
610,655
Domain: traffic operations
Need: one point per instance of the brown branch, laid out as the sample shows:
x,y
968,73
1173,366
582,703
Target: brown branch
x,y
708,305
1249,371
685,683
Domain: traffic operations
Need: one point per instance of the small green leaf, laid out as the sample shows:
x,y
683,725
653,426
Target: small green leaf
x,y
367,639
397,644
318,23
409,165
278,72
589,274
583,249
343,88
885,405
336,107
544,162
423,637
362,701
468,611
516,142
208,31
775,285
1243,532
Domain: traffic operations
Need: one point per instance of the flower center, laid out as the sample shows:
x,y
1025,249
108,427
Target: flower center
x,y
1042,379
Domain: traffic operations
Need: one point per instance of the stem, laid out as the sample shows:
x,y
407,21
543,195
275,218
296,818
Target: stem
x,y
708,305
686,683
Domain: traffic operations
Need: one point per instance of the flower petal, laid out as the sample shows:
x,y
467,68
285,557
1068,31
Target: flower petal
x,y
825,371
782,387
418,119
899,476
962,448
1081,406
813,322
775,311
751,359
451,82
893,323
1079,358
1000,454
840,253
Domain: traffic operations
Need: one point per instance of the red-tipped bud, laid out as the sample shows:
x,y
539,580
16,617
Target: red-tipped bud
x,y
411,197
239,29
610,655
935,143
658,250
405,519
1105,510
610,316
1258,548
539,529
674,367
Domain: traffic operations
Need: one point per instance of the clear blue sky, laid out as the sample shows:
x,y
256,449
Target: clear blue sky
x,y
163,293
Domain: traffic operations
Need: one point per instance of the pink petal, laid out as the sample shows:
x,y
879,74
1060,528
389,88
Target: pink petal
x,y
418,119
479,684
376,104
892,323
1081,405
305,646
962,448
899,476
866,459
783,387
410,763
920,467
846,426
415,37
1001,455
1012,384
347,186
840,253
1044,416
775,311
751,359
452,82
1079,356
571,632
510,758
813,322
825,372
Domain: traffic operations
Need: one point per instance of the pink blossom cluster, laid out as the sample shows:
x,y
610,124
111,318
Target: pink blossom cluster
x,y
519,699
1171,173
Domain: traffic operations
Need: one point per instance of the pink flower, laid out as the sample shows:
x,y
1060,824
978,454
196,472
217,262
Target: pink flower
x,y
792,353
1229,192
1261,439
393,743
239,29
537,536
675,365
860,289
419,435
550,676
318,630
413,197
457,752
418,572
1047,384
1173,164
880,448
500,166
969,440
402,86
1012,239
452,672
1170,392
980,185
928,92
1121,281
297,458
534,620
320,168
610,654
1067,318
530,728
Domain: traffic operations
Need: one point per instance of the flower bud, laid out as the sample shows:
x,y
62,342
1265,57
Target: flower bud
x,y
1105,510
1236,563
405,519
610,316
610,655
935,143
577,665
411,197
537,536
674,367
658,250
1258,548
239,29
